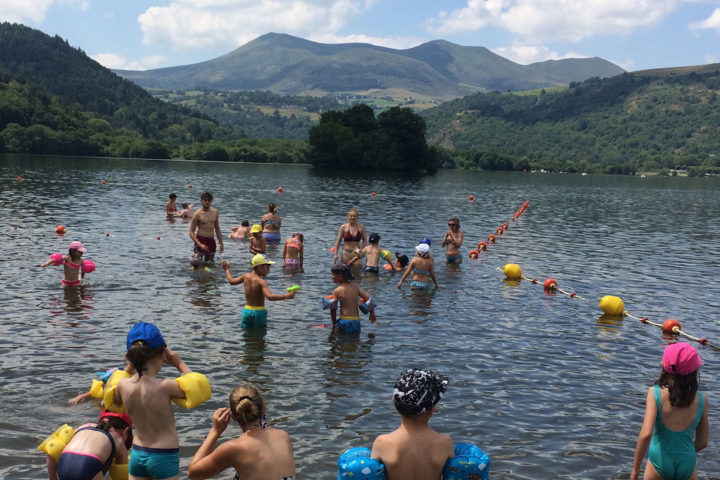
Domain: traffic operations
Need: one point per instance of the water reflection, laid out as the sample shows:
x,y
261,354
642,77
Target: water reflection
x,y
253,355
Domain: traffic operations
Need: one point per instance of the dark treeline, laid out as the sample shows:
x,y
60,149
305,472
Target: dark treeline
x,y
355,139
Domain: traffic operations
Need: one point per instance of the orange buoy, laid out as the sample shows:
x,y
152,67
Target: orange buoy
x,y
158,238
280,189
669,325
332,249
104,182
190,186
388,266
499,230
19,179
14,227
107,234
474,254
482,246
60,229
491,238
505,226
373,194
471,197
550,284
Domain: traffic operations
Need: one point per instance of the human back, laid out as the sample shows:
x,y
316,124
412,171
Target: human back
x,y
414,452
147,400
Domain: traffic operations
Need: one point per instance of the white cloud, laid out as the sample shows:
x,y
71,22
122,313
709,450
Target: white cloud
x,y
112,60
20,11
210,23
710,23
554,20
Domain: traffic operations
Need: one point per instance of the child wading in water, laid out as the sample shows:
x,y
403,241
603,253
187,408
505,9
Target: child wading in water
x,y
372,253
422,268
257,243
414,451
256,291
674,412
147,399
72,264
261,452
242,231
293,251
93,449
347,294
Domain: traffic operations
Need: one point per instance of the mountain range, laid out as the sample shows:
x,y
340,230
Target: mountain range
x,y
438,69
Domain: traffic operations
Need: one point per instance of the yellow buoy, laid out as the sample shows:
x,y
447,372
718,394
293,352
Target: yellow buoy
x,y
612,305
512,271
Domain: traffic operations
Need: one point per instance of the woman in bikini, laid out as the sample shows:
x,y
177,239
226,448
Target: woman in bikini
x,y
352,235
261,452
270,223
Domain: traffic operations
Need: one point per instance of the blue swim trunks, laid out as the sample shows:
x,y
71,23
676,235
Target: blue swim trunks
x,y
348,324
415,285
372,269
453,258
272,237
154,462
253,317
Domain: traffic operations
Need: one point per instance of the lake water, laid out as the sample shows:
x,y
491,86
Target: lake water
x,y
545,384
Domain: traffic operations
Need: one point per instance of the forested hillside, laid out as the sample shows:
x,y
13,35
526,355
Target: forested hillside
x,y
641,121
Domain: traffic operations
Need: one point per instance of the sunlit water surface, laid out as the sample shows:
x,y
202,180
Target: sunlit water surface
x,y
545,384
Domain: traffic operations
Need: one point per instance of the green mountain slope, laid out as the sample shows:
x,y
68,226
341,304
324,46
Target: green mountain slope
x,y
644,120
439,69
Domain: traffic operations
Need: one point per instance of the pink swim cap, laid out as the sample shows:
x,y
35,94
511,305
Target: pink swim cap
x,y
681,358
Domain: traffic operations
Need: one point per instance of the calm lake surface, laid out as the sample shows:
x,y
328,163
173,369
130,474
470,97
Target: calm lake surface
x,y
545,384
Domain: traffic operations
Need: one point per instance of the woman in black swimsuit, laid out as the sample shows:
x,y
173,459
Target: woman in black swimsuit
x,y
352,234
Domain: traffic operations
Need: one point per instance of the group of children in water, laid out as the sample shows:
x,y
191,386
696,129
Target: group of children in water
x,y
674,428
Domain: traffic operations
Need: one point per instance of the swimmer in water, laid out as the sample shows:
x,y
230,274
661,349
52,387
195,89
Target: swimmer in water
x,y
351,235
293,251
203,228
270,223
347,294
453,241
372,254
72,264
422,269
241,232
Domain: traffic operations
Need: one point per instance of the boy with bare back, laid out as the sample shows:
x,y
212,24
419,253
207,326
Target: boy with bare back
x,y
257,243
256,291
347,294
414,451
372,253
204,226
155,449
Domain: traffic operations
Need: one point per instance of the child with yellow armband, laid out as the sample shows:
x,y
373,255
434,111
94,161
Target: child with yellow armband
x,y
147,398
97,387
90,451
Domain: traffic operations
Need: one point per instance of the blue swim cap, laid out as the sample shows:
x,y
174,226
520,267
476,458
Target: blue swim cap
x,y
425,240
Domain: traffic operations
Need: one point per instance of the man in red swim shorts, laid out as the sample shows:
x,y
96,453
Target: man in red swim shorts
x,y
204,227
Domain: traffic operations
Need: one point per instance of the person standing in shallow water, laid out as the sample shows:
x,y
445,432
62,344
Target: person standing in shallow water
x,y
351,235
270,223
453,241
204,226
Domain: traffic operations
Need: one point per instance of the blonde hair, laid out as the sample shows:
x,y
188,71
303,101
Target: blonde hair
x,y
246,404
272,208
354,210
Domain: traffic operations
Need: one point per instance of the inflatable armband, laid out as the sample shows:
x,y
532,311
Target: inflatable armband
x,y
196,387
110,387
386,254
358,253
88,266
96,389
365,307
356,464
57,259
54,444
469,463
119,471
293,288
329,302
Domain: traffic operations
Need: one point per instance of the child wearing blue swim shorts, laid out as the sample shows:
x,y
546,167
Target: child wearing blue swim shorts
x,y
674,412
256,291
347,294
414,450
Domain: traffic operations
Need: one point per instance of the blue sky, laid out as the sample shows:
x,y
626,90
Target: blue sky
x,y
139,35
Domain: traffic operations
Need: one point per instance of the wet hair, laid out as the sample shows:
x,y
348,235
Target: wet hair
x,y
140,354
246,404
118,424
374,238
456,220
172,195
272,208
342,269
402,258
682,388
185,204
245,223
206,196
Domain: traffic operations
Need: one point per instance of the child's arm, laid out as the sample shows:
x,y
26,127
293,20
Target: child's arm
x,y
51,468
285,247
703,429
273,296
646,430
432,275
172,358
79,398
365,297
302,249
232,281
406,273
252,245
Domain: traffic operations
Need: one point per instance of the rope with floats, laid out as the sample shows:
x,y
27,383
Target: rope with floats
x,y
482,245
609,304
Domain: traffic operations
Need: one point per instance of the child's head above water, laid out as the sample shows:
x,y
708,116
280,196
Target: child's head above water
x,y
418,391
245,223
256,229
402,259
342,270
374,238
185,204
260,260
144,343
422,249
76,249
246,404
